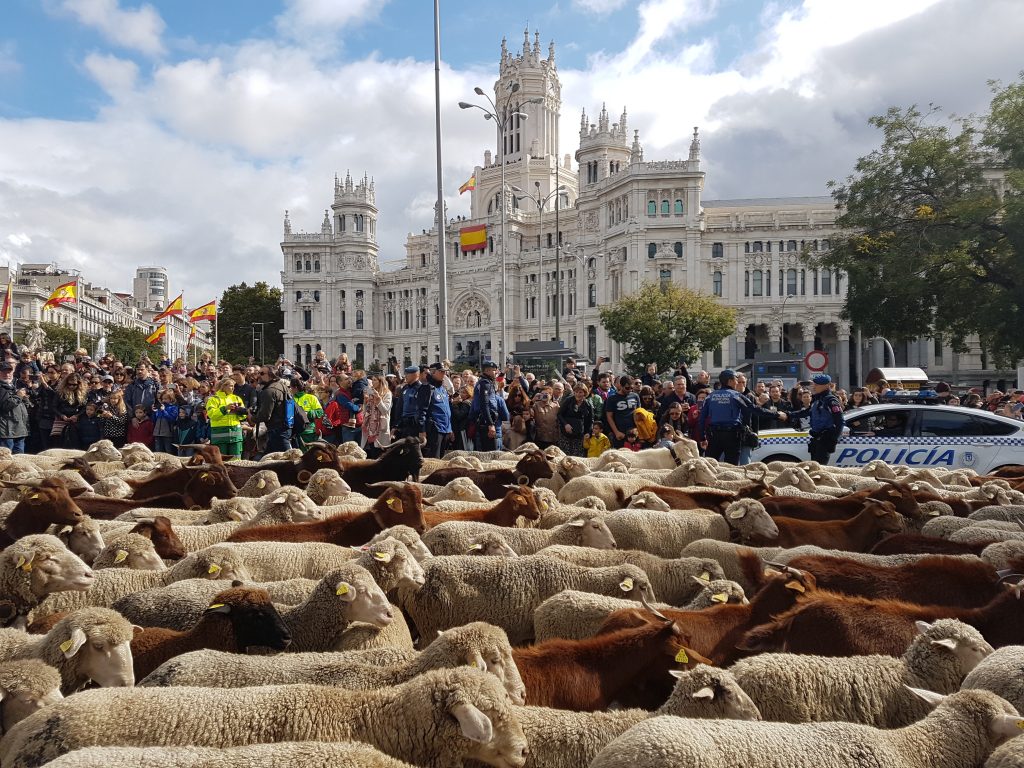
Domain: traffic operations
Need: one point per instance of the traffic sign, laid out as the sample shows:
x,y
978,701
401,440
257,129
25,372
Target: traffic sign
x,y
816,360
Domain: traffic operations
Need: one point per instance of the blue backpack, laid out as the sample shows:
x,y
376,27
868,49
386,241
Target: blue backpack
x,y
289,411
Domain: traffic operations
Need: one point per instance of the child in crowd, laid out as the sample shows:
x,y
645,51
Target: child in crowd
x,y
141,428
596,442
666,436
633,441
165,420
89,429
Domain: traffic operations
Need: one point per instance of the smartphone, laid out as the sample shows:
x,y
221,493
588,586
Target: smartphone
x,y
69,358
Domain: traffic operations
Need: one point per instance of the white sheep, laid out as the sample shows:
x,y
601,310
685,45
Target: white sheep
x,y
102,450
32,568
83,538
112,487
129,550
490,544
277,560
26,686
750,520
1002,673
260,483
435,720
871,690
960,733
326,483
458,489
648,500
586,529
664,534
506,591
135,453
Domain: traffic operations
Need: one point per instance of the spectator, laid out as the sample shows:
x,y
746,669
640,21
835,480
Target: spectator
x,y
114,417
570,368
488,410
644,419
597,441
679,394
165,422
618,411
666,436
650,375
142,391
973,400
461,426
545,417
225,411
377,406
675,418
8,349
89,426
13,410
68,406
633,441
275,410
694,423
140,430
575,420
805,402
349,414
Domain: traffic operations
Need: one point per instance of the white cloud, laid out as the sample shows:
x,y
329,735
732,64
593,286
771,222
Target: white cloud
x,y
313,17
9,63
599,7
115,76
138,30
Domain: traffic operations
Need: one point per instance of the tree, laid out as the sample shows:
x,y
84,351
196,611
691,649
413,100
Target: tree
x,y
129,344
936,223
240,307
667,324
60,339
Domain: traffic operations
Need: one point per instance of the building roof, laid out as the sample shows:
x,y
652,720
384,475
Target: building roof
x,y
768,202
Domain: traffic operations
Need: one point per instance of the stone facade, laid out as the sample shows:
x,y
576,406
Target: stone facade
x,y
621,220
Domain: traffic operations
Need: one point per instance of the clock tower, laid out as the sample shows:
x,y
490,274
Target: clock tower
x,y
538,79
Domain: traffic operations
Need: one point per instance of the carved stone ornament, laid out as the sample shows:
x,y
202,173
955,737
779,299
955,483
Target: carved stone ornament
x,y
469,307
590,221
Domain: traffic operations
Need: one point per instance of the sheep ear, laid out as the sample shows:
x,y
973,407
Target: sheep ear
x,y
345,591
475,725
922,626
73,644
219,608
946,642
929,697
704,693
1007,726
577,523
736,514
476,660
678,674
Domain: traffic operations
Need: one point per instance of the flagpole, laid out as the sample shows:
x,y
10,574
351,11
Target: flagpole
x,y
78,301
216,346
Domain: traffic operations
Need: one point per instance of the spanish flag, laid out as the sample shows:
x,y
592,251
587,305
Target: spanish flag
x,y
473,238
65,294
191,335
205,312
176,307
5,311
469,185
156,335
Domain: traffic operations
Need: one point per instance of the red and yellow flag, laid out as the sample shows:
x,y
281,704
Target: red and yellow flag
x,y
157,335
176,307
473,238
469,185
5,311
64,294
205,312
191,335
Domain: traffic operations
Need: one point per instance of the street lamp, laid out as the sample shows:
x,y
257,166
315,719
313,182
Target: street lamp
x,y
782,324
501,118
261,325
541,202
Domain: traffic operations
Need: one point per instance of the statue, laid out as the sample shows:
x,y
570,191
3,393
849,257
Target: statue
x,y
35,339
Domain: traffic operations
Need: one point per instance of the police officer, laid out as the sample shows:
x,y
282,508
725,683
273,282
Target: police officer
x,y
488,410
407,419
433,398
723,415
826,414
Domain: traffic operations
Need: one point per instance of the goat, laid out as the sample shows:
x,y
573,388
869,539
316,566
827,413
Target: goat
x,y
518,502
44,503
159,531
918,544
402,460
532,467
182,480
82,467
843,507
298,472
856,534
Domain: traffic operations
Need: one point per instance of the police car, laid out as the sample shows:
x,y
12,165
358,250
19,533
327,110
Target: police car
x,y
914,434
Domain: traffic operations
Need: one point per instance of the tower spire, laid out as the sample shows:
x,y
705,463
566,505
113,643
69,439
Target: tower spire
x,y
695,145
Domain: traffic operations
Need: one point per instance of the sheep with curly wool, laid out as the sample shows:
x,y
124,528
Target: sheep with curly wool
x,y
664,534
84,538
476,644
435,720
276,560
490,544
112,487
750,521
1008,513
129,550
33,568
586,529
648,500
506,591
458,489
89,644
961,732
290,754
326,483
574,615
26,686
675,580
871,690
1002,673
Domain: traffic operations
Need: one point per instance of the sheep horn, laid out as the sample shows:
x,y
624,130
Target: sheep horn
x,y
1007,574
387,484
30,483
1020,523
652,609
785,569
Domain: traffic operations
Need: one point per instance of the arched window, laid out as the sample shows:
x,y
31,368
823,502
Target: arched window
x,y
746,283
341,223
791,282
309,353
316,265
678,249
437,314
678,207
359,319
664,278
359,356
791,245
307,319
298,265
592,295
316,295
758,289
298,295
716,284
343,319
298,351
758,246
826,282
825,245
717,250
652,208
746,247
838,278
474,320
309,266
664,208
652,249
591,263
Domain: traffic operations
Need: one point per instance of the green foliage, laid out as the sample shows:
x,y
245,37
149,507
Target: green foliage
x,y
666,325
937,216
240,307
60,339
128,344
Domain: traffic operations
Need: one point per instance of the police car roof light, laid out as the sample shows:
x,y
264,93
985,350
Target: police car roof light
x,y
925,396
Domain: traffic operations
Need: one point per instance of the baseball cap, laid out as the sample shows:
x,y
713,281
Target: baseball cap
x,y
822,378
108,377
6,366
412,369
727,374
489,364
942,387
437,367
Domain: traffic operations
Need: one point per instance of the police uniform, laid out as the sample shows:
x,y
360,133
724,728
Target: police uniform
x,y
433,399
488,410
826,414
412,415
723,415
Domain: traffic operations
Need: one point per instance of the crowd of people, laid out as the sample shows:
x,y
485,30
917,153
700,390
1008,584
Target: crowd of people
x,y
251,409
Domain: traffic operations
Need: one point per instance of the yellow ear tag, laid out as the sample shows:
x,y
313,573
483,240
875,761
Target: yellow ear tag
x,y
626,585
390,502
262,483
681,657
121,556
705,576
475,548
214,568
215,605
66,646
1020,724
26,566
21,561
383,557
342,589
721,597
796,586
34,496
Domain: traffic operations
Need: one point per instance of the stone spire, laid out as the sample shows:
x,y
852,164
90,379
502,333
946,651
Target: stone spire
x,y
536,45
348,181
551,53
504,52
325,228
637,152
695,145
287,223
583,122
526,41
624,124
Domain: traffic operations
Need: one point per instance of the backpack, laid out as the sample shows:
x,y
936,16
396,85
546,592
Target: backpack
x,y
294,417
646,426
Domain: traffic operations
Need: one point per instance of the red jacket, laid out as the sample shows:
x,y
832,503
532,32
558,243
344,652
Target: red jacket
x,y
141,433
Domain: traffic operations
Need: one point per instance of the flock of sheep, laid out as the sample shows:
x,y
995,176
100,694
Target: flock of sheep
x,y
527,609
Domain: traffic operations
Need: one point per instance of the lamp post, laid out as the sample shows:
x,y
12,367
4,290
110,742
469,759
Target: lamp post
x,y
261,325
782,324
501,118
540,203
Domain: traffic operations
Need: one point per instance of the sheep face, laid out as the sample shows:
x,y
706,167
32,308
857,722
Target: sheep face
x,y
962,641
706,692
217,562
397,565
50,565
26,687
254,619
407,536
593,533
84,539
102,450
491,545
290,504
750,518
103,660
486,719
487,648
362,599
648,500
328,483
138,557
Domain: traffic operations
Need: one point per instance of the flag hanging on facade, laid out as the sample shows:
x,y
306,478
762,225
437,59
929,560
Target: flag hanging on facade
x,y
157,335
191,335
469,185
174,308
205,312
5,311
473,238
64,294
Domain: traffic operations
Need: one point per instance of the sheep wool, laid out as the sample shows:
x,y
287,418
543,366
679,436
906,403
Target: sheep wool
x,y
1002,673
665,535
23,586
870,690
443,714
129,550
960,733
457,537
26,685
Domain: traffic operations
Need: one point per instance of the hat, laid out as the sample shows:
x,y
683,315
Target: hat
x,y
821,378
108,377
942,388
727,374
412,369
489,364
286,373
437,367
6,366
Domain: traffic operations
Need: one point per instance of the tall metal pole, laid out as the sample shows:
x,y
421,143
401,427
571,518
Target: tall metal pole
x,y
442,271
499,125
558,260
540,265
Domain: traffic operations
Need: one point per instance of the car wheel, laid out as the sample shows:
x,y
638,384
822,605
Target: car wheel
x,y
780,457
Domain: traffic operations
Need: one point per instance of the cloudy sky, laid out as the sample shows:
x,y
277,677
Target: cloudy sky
x,y
176,132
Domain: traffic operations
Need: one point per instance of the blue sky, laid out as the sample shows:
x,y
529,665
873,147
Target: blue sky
x,y
178,131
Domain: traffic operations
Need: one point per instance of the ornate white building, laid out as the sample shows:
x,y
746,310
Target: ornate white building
x,y
622,220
